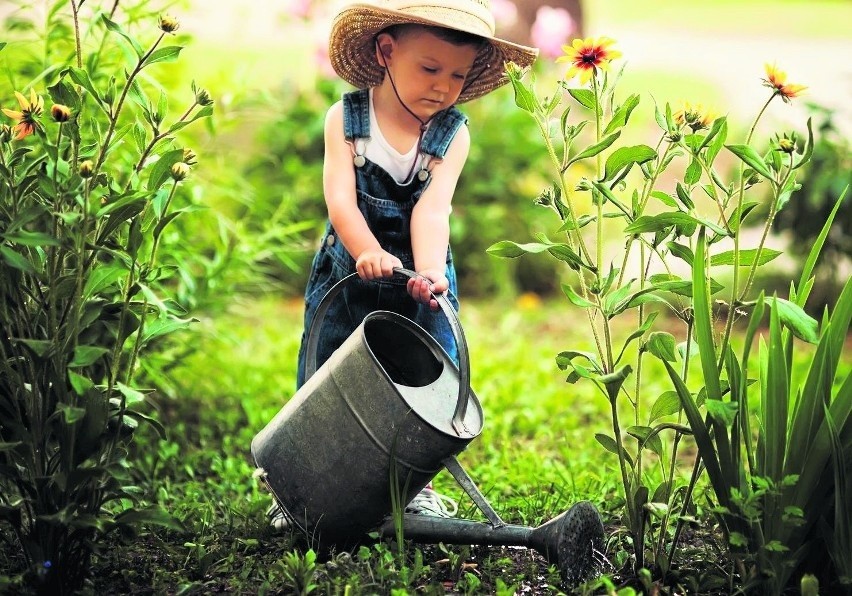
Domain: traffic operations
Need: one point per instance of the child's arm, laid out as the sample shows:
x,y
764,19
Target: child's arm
x,y
430,222
371,261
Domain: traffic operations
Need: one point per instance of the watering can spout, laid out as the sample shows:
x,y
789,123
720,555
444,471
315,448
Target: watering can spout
x,y
573,541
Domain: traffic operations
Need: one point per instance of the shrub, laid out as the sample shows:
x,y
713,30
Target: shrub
x,y
85,198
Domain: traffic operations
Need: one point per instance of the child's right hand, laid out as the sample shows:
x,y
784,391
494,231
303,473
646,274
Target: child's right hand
x,y
375,262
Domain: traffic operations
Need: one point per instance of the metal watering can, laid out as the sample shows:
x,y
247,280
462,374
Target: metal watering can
x,y
390,406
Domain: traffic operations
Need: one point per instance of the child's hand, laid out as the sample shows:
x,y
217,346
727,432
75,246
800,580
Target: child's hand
x,y
421,289
375,262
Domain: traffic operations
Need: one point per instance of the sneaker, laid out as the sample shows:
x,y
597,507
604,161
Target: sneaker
x,y
429,502
278,518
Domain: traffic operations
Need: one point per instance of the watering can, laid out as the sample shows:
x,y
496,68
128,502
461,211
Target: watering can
x,y
375,423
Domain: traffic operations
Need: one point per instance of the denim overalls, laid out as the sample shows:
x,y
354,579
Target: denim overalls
x,y
387,206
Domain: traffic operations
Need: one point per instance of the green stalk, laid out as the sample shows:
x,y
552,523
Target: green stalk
x,y
114,114
729,322
599,222
78,51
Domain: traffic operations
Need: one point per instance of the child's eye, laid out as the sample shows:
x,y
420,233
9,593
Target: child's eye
x,y
430,70
459,77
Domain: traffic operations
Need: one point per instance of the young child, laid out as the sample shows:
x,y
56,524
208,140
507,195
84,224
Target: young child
x,y
394,151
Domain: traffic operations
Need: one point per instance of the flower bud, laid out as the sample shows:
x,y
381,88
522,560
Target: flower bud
x,y
169,24
787,145
86,168
5,133
60,112
202,97
189,157
179,171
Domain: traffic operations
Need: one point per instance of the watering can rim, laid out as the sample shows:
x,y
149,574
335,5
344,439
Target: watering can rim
x,y
449,312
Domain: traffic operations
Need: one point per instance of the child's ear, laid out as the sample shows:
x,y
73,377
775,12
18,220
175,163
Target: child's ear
x,y
384,48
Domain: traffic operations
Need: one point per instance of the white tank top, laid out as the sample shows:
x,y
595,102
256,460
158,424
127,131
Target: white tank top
x,y
381,153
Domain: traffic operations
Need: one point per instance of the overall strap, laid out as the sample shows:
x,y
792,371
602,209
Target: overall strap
x,y
442,130
356,115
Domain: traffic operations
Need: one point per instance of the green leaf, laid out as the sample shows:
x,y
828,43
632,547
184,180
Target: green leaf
x,y
622,114
584,97
662,221
575,298
746,258
751,158
596,148
693,172
647,437
156,516
722,411
131,395
160,171
17,260
662,345
667,403
610,445
116,28
86,355
524,97
512,250
81,77
79,383
25,238
164,54
626,157
703,320
794,318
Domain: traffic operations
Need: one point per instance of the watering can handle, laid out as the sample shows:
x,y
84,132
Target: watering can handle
x,y
449,312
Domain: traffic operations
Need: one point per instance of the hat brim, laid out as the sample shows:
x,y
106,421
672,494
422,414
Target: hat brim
x,y
351,49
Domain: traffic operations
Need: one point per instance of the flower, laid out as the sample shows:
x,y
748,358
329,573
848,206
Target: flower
x,y
587,55
60,112
695,116
179,171
776,80
169,24
28,116
202,97
552,27
505,12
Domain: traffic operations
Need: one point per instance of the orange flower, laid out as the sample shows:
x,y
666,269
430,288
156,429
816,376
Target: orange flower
x,y
776,80
587,55
28,116
696,116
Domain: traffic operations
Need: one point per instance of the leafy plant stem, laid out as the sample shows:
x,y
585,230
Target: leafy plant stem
x,y
600,199
153,143
115,112
729,321
137,344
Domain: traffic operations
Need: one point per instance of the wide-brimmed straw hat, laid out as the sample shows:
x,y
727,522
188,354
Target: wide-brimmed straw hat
x,y
352,41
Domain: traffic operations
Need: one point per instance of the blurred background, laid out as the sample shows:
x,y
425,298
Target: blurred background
x,y
267,67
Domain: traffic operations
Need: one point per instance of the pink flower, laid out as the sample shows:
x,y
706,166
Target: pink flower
x,y
300,9
505,12
551,30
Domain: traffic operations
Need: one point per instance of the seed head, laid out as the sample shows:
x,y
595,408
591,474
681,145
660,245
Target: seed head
x,y
202,97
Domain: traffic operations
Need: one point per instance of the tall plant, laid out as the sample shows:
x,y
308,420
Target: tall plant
x,y
86,194
662,221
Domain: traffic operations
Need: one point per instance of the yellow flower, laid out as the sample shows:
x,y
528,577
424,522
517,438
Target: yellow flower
x,y
777,81
28,116
695,116
189,156
587,55
169,24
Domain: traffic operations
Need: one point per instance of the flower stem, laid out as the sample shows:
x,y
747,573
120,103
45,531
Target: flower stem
x,y
729,322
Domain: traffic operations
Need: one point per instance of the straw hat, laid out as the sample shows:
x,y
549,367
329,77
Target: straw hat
x,y
351,45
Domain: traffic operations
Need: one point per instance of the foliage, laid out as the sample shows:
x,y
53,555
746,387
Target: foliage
x,y
828,173
84,203
628,186
780,477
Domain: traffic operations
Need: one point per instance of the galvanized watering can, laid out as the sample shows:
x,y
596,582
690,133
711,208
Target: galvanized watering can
x,y
385,414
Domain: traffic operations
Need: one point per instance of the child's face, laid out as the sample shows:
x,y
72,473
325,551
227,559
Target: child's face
x,y
429,72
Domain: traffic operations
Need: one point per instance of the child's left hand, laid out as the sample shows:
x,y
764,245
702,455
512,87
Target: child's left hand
x,y
428,282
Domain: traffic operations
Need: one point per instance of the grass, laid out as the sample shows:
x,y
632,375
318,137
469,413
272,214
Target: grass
x,y
536,456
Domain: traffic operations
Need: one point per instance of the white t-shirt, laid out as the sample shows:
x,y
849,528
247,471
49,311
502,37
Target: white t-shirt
x,y
381,153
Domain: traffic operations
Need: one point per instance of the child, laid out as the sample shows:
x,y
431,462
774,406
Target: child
x,y
394,150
